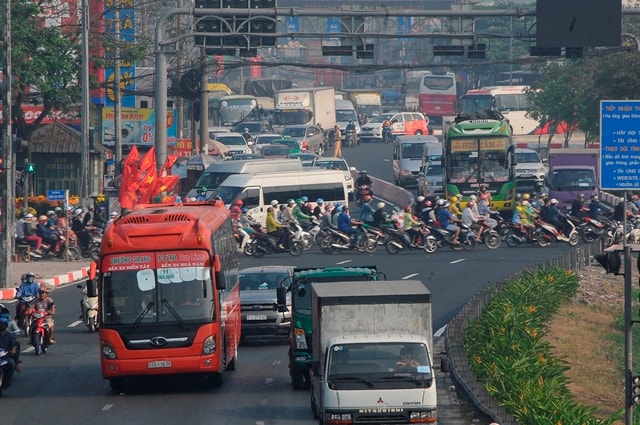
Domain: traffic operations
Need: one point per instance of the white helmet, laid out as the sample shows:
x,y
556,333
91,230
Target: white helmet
x,y
381,205
113,214
274,202
473,198
440,202
77,212
553,201
420,198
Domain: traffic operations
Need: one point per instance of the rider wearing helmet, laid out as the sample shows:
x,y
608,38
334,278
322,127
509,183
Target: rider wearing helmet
x,y
361,185
79,228
202,194
43,302
317,210
380,216
28,288
299,211
236,209
366,211
411,225
247,135
454,206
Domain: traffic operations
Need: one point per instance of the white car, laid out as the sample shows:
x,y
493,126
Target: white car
x,y
264,139
235,142
530,169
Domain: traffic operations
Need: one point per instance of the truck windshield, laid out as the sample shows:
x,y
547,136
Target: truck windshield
x,y
572,179
381,364
139,297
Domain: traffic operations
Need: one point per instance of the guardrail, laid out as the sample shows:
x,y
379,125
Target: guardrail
x,y
389,192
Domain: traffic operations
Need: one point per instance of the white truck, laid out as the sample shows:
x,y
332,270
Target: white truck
x,y
368,103
372,353
299,106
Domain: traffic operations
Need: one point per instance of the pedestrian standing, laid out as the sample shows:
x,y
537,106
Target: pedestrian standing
x,y
337,142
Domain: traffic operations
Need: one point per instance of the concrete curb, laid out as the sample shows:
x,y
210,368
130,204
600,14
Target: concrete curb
x,y
50,282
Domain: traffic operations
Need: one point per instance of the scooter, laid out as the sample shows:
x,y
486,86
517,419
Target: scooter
x,y
467,238
350,138
24,319
548,233
301,235
337,241
263,243
4,363
40,332
361,191
386,134
398,240
89,305
517,234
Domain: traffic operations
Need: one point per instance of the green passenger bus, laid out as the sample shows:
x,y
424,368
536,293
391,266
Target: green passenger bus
x,y
478,149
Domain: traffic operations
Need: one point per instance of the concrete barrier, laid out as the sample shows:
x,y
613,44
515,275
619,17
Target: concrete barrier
x,y
389,192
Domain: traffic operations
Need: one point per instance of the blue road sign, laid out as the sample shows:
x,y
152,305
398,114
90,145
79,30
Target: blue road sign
x,y
619,144
292,24
55,195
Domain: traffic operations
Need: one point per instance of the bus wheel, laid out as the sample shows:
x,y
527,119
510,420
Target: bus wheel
x,y
214,379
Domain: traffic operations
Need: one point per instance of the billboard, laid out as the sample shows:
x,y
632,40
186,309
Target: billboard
x,y
138,127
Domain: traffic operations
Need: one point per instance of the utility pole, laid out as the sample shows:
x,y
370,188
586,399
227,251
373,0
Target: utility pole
x,y
117,107
85,113
7,168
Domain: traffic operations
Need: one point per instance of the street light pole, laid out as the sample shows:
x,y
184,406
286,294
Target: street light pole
x,y
7,168
84,166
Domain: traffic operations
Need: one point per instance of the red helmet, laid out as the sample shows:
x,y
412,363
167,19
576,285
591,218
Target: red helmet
x,y
470,204
238,203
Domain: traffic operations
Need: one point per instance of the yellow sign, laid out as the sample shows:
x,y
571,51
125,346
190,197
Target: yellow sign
x,y
471,145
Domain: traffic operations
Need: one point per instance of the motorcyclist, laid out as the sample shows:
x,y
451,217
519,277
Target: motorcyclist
x,y
202,194
298,212
475,222
236,209
28,288
12,327
49,236
427,214
454,206
317,210
30,234
578,208
366,211
99,219
411,225
419,206
9,343
522,215
350,131
595,208
43,302
276,229
363,180
247,135
386,128
447,220
555,217
326,217
380,216
79,228
345,225
306,206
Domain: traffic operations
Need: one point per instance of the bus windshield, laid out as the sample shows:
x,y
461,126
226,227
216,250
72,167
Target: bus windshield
x,y
479,160
173,295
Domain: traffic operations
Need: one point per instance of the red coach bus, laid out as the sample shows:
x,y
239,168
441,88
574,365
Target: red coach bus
x,y
433,94
169,293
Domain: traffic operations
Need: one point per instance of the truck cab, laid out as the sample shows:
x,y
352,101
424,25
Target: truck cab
x,y
300,340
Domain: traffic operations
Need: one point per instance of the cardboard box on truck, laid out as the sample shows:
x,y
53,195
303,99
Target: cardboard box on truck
x,y
372,352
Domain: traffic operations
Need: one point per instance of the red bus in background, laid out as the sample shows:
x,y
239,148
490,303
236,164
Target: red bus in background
x,y
169,295
433,94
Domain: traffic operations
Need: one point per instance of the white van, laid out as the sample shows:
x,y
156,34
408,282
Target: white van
x,y
408,152
345,112
430,176
217,172
258,190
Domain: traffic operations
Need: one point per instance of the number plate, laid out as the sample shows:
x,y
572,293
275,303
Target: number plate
x,y
256,317
158,364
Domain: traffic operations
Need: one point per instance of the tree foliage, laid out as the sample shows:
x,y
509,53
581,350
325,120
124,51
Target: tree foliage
x,y
571,91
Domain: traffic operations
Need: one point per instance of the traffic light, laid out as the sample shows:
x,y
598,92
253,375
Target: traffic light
x,y
635,390
31,168
611,261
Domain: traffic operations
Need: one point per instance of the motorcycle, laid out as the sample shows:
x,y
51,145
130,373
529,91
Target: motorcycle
x,y
517,234
301,235
593,230
24,320
4,363
350,138
40,333
89,305
386,134
337,241
362,190
26,251
490,238
398,240
263,243
95,245
467,238
548,233
62,250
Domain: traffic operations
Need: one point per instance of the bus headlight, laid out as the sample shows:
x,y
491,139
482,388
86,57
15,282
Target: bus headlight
x,y
209,345
108,352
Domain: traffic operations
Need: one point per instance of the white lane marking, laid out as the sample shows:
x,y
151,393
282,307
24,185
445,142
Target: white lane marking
x,y
74,324
107,407
387,160
344,262
456,261
276,362
260,422
409,276
29,349
268,381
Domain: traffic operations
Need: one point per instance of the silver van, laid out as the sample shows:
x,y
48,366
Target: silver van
x,y
430,181
408,154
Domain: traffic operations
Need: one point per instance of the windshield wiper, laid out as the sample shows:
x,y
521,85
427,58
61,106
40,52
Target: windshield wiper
x,y
175,314
409,377
141,315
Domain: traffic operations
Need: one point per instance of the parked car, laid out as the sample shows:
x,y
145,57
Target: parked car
x,y
275,151
235,142
260,315
255,127
307,158
264,139
312,135
407,123
334,163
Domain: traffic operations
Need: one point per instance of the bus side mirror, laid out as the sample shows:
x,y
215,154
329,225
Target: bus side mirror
x,y
220,282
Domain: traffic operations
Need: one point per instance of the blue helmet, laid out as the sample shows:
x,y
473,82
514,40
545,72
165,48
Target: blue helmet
x,y
245,209
319,201
304,199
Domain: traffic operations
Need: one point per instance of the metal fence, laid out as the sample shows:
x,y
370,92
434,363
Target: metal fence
x,y
576,259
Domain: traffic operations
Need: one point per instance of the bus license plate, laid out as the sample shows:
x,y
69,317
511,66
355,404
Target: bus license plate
x,y
158,364
256,317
